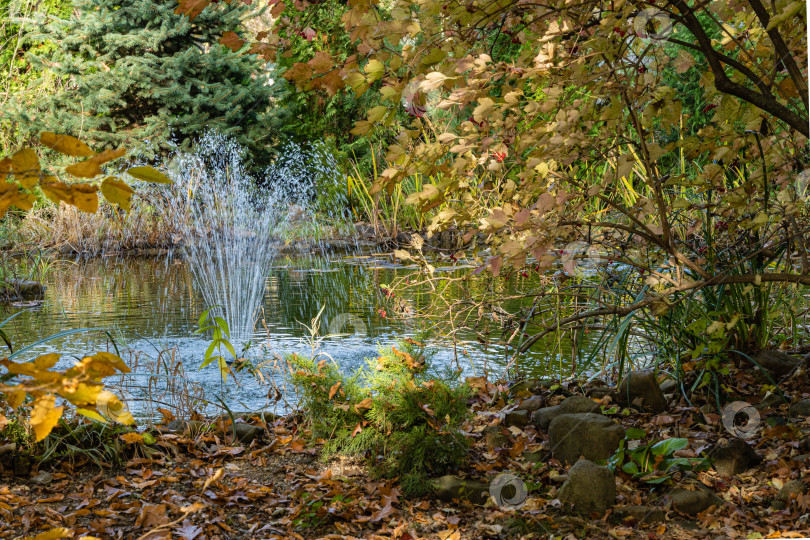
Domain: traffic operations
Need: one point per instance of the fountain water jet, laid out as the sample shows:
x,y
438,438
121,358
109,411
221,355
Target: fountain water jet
x,y
228,225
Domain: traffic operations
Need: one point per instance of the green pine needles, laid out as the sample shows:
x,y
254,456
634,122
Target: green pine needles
x,y
135,71
393,412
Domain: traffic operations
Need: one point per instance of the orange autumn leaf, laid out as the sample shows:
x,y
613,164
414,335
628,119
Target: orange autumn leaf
x,y
132,438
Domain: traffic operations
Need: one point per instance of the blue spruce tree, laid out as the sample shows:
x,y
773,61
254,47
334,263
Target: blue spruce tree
x,y
135,71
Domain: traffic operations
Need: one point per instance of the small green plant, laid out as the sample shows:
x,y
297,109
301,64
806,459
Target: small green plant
x,y
221,338
653,463
395,412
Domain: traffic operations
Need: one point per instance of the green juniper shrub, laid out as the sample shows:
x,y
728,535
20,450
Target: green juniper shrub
x,y
396,412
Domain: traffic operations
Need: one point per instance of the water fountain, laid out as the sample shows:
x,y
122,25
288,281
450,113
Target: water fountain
x,y
231,223
228,225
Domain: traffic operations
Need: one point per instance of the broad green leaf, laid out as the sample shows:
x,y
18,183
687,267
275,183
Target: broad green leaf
x,y
635,433
668,446
223,325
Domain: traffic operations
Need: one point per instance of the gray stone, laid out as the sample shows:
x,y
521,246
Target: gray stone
x,y
791,490
452,487
25,289
669,386
600,391
800,408
532,386
693,502
365,230
770,401
734,458
531,404
246,433
42,478
187,427
640,514
589,488
641,388
517,418
534,457
495,437
9,448
776,362
593,436
572,405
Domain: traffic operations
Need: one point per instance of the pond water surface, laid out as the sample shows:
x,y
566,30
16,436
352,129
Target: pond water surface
x,y
151,304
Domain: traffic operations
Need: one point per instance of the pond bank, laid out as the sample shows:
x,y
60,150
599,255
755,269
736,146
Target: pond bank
x,y
273,485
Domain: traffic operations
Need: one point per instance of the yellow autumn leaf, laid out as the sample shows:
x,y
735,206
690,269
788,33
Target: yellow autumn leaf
x,y
14,197
52,534
91,167
81,394
65,144
111,359
15,398
92,415
149,174
82,196
46,361
374,70
44,416
117,192
25,167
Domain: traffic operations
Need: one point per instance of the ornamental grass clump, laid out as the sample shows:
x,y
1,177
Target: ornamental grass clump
x,y
396,412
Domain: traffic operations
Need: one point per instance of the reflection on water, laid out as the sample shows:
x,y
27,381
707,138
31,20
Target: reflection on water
x,y
151,304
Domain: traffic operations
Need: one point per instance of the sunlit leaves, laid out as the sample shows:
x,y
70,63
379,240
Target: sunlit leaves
x,y
117,192
65,144
148,174
82,196
232,40
44,416
91,167
25,167
191,8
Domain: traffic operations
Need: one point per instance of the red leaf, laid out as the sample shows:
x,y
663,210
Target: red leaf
x,y
232,40
191,8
